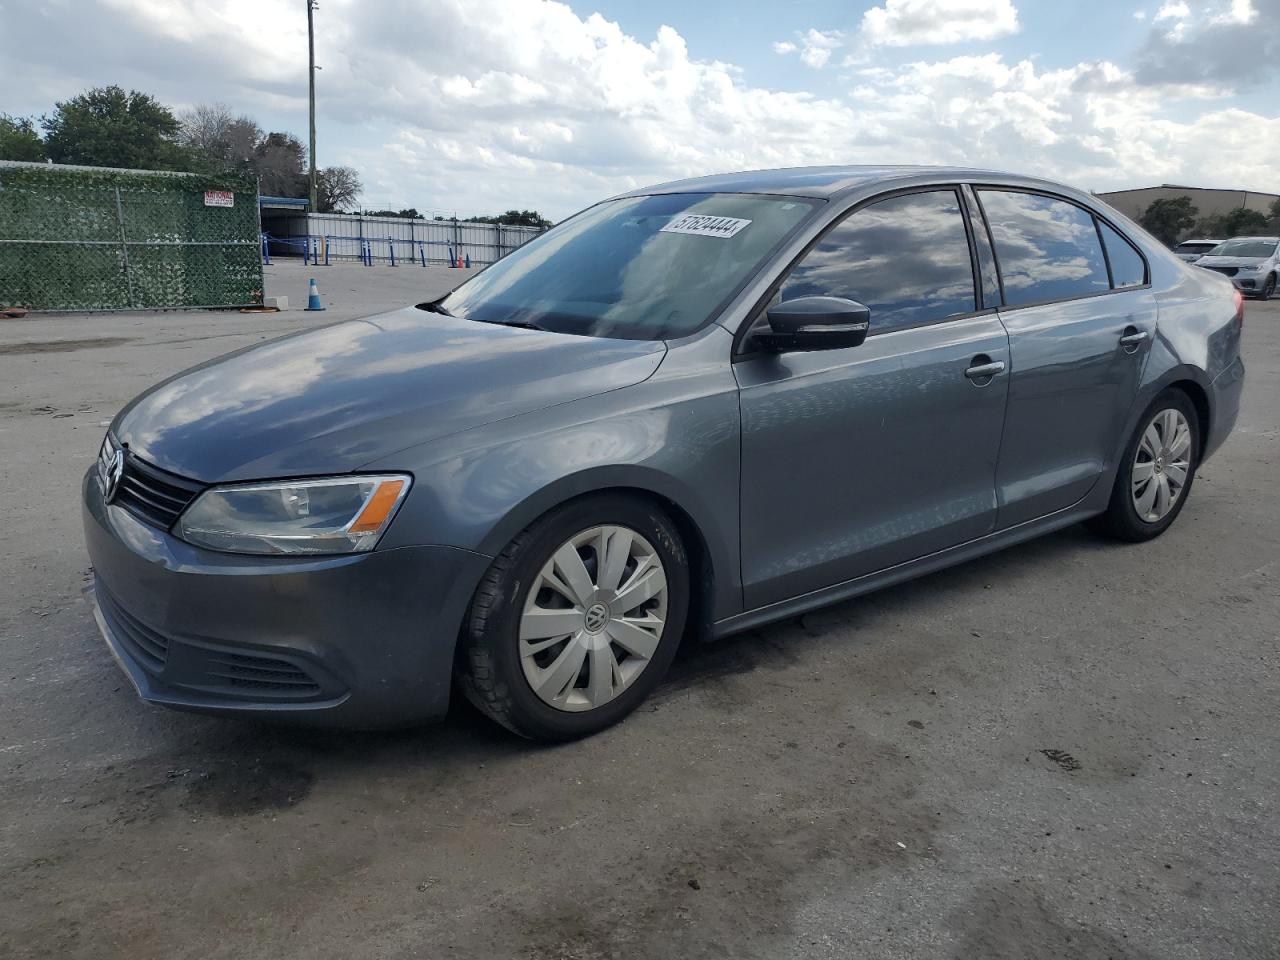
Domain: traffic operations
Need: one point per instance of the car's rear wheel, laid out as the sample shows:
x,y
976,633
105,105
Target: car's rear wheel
x,y
577,619
1157,471
1268,288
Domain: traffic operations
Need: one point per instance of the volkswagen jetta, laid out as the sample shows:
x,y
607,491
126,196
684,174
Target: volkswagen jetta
x,y
693,408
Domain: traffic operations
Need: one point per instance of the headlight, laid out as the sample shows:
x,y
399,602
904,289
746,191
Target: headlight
x,y
337,515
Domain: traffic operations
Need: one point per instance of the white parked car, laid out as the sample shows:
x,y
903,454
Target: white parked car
x,y
1252,263
1192,250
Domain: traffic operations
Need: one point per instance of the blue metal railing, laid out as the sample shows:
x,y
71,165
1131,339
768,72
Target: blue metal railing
x,y
321,249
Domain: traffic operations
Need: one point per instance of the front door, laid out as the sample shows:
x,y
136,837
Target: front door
x,y
858,459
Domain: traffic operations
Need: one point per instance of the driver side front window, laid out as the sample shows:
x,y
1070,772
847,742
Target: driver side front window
x,y
907,258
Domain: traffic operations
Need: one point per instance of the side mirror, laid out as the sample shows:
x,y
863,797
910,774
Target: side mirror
x,y
815,323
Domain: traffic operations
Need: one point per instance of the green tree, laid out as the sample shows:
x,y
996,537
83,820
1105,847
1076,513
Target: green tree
x,y
19,139
1275,209
1242,221
1211,227
522,218
407,213
1167,218
108,127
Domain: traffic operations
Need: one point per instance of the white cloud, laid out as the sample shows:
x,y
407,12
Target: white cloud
x,y
1091,124
1239,12
1173,11
529,105
818,46
1214,42
1139,14
901,23
815,46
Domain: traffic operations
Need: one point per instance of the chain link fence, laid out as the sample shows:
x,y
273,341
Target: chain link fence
x,y
91,238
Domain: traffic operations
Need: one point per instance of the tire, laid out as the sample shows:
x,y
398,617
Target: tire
x,y
1122,519
1268,288
497,671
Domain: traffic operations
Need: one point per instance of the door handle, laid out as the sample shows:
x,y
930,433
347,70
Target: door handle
x,y
983,369
1132,339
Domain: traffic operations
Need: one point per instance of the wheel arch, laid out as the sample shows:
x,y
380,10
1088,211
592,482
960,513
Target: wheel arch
x,y
1199,397
711,567
1191,380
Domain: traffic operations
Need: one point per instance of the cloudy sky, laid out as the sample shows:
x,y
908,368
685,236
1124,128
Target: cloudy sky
x,y
476,106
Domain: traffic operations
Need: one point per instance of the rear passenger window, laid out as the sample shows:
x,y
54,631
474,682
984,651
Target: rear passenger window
x,y
1127,266
907,258
1048,249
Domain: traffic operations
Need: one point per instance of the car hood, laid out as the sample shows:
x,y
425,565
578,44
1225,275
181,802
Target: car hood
x,y
333,399
1231,261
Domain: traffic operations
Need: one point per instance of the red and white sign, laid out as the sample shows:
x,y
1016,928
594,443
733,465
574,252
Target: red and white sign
x,y
219,198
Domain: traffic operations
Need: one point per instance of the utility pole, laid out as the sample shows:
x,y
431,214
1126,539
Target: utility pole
x,y
311,80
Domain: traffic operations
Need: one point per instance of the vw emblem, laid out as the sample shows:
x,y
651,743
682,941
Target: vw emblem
x,y
115,473
596,617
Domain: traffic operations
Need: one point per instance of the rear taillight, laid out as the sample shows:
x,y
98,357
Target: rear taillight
x,y
1239,309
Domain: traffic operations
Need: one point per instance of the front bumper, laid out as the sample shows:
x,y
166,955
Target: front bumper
x,y
355,641
1245,279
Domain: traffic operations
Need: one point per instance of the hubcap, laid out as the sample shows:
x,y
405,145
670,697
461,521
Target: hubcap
x,y
1162,465
593,618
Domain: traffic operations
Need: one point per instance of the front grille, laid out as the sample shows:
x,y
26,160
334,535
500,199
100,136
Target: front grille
x,y
153,495
249,673
146,646
1225,271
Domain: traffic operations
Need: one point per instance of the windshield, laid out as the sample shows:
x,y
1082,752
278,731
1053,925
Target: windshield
x,y
1246,247
639,268
1194,247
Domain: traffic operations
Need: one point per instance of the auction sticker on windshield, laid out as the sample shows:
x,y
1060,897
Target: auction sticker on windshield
x,y
701,225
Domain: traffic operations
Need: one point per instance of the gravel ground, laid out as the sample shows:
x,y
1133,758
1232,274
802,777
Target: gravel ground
x,y
1068,749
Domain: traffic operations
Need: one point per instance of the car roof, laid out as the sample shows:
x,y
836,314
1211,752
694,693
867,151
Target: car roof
x,y
1264,239
825,183
1205,240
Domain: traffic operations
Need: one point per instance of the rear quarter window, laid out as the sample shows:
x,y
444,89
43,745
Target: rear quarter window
x,y
1128,269
1048,249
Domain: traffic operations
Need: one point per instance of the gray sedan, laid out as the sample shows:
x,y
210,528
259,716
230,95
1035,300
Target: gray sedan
x,y
686,411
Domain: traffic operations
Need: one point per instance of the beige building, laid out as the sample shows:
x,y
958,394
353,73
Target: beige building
x,y
1208,202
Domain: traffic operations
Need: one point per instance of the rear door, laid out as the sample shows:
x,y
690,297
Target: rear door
x,y
1081,318
861,458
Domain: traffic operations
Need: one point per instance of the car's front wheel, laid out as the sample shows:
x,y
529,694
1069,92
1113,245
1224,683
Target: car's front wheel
x,y
577,619
1268,288
1157,471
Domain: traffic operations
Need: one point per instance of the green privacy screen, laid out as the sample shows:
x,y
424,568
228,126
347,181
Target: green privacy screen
x,y
92,238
